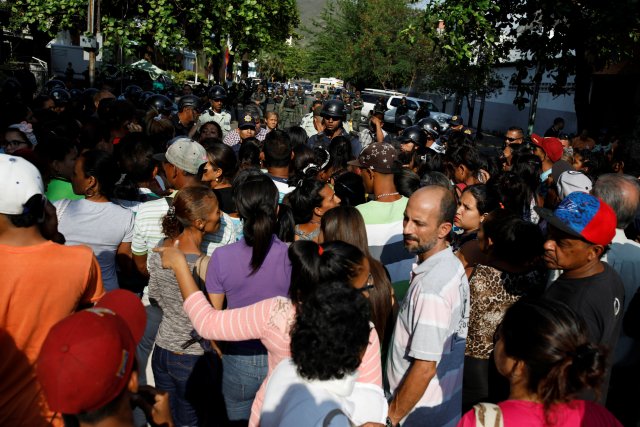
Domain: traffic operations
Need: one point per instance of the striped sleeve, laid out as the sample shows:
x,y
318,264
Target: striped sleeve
x,y
370,369
227,325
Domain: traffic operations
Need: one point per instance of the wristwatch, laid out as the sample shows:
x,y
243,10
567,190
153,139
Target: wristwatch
x,y
389,423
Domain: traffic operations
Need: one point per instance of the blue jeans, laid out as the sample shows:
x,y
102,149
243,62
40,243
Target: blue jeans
x,y
190,381
242,376
143,351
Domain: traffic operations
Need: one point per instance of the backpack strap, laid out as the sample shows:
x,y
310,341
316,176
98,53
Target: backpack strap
x,y
488,415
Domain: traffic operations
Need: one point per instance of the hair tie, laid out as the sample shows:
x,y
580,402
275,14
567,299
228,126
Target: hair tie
x,y
501,205
309,166
171,211
326,162
158,118
320,250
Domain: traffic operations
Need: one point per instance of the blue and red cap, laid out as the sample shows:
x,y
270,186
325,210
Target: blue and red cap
x,y
584,216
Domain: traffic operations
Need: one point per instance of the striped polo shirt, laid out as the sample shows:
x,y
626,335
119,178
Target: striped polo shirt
x,y
432,325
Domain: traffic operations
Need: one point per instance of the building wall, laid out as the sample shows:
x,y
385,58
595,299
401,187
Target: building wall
x,y
500,112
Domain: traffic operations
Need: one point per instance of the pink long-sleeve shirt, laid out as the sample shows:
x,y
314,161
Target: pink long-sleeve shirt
x,y
270,321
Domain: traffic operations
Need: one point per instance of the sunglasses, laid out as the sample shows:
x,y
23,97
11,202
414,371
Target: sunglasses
x,y
511,139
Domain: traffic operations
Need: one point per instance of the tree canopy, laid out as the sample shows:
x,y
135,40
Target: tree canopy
x,y
557,38
367,42
167,25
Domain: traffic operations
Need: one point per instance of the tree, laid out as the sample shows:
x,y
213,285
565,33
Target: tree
x,y
557,38
167,25
366,41
283,63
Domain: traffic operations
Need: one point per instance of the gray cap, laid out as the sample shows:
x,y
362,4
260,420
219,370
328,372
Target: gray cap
x,y
185,154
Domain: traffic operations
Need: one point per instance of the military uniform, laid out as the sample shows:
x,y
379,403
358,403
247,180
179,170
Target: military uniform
x,y
300,109
278,97
223,118
356,113
289,105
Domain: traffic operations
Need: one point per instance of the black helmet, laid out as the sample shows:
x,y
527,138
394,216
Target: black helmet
x,y
413,134
430,126
75,94
403,122
334,108
60,96
161,103
132,92
142,99
217,92
53,84
188,101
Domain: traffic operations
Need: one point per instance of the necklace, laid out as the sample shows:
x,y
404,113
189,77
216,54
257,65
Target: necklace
x,y
380,196
314,222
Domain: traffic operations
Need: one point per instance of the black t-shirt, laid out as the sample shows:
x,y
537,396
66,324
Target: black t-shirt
x,y
598,299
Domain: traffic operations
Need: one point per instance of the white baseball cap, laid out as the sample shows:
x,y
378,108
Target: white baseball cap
x,y
571,181
21,181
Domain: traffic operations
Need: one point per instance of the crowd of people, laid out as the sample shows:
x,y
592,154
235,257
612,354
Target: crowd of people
x,y
168,262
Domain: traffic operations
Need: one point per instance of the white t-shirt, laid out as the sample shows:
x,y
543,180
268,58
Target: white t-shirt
x,y
101,226
292,401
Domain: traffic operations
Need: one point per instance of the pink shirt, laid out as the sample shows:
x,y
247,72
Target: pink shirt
x,y
270,321
577,413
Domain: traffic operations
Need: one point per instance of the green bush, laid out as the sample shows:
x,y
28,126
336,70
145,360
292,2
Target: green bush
x,y
181,77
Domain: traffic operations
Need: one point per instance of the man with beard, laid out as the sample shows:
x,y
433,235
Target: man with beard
x,y
426,357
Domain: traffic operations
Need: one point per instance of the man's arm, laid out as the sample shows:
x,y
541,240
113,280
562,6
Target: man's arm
x,y
411,389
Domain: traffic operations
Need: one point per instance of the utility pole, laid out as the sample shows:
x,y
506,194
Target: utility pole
x,y
91,31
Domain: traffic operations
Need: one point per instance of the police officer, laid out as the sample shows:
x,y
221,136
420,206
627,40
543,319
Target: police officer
x,y
184,121
347,104
289,105
216,113
412,137
259,98
301,104
456,124
356,111
333,114
402,122
433,132
278,97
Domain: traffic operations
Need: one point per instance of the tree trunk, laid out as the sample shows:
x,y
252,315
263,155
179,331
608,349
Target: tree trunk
x,y
480,114
244,70
537,78
582,81
471,106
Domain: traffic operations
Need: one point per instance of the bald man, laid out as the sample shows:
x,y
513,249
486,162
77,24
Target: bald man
x,y
425,362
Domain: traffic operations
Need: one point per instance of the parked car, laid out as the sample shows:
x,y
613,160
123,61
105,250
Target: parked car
x,y
414,104
369,99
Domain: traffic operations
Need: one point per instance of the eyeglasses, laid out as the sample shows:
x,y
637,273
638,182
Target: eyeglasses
x,y
368,286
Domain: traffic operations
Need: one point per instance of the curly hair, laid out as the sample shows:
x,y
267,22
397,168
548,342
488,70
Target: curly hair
x,y
331,332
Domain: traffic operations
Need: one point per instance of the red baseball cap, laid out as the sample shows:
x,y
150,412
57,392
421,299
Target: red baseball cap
x,y
87,358
551,146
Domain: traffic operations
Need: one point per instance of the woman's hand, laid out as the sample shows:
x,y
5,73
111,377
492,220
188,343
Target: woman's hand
x,y
172,257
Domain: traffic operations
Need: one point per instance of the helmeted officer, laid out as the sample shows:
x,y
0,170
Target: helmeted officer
x,y
356,111
333,114
216,113
433,132
289,105
412,137
184,121
161,104
402,122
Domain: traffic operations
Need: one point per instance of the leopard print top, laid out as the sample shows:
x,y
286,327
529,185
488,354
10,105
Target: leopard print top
x,y
491,292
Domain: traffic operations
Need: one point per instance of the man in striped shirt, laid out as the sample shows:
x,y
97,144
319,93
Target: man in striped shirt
x,y
426,357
